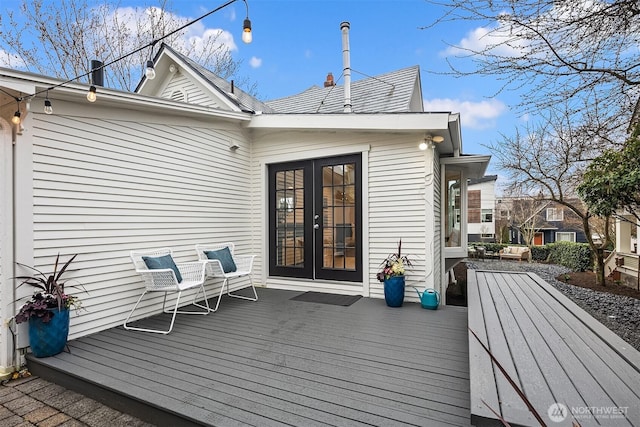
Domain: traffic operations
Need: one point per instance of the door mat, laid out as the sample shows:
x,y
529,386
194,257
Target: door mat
x,y
323,298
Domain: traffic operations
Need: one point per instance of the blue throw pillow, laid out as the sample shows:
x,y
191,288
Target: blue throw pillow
x,y
225,258
159,263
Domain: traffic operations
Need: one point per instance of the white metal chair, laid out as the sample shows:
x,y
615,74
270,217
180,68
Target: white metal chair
x,y
214,268
164,280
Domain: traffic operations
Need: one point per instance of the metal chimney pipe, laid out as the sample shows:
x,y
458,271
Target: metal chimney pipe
x,y
97,73
346,61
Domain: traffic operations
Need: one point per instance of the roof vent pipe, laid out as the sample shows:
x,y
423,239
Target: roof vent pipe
x,y
97,73
346,61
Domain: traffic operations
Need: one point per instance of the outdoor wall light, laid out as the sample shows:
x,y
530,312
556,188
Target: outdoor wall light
x,y
91,95
429,140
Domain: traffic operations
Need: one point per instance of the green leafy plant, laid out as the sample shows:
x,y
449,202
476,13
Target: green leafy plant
x,y
49,293
394,265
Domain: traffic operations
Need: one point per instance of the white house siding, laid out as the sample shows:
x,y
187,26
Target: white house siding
x,y
107,182
195,93
394,205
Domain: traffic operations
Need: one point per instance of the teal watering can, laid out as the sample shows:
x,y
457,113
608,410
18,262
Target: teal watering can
x,y
429,299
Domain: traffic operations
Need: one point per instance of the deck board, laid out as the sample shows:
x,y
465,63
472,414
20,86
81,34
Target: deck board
x,y
553,349
282,362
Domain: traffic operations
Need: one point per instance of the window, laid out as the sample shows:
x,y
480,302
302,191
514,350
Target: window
x,y
555,214
453,209
565,236
487,215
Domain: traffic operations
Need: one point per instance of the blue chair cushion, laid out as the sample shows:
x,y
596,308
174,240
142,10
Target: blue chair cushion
x,y
225,258
162,262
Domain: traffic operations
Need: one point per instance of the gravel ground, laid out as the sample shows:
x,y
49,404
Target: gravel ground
x,y
619,313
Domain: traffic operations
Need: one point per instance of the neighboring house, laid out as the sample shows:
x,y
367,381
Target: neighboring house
x,y
320,196
481,205
547,221
624,262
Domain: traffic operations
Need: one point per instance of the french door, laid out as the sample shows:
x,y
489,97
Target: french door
x,y
315,219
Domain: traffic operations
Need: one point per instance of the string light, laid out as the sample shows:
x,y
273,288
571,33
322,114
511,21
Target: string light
x,y
150,72
91,95
48,109
247,37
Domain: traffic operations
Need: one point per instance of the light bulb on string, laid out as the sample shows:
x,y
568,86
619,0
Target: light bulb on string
x,y
48,109
91,95
150,72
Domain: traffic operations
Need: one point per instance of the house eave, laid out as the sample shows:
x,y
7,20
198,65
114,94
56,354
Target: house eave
x,y
474,166
21,81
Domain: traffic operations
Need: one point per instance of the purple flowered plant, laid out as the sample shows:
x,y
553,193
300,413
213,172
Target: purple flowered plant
x,y
49,293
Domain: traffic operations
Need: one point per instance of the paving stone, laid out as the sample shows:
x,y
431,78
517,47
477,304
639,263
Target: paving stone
x,y
41,414
29,385
64,399
101,416
23,405
126,420
47,392
13,421
72,422
4,413
54,421
81,407
8,397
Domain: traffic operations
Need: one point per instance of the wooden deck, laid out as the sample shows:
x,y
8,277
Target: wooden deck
x,y
280,362
555,352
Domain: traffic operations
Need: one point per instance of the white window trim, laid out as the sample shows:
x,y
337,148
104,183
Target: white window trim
x,y
482,213
572,233
555,214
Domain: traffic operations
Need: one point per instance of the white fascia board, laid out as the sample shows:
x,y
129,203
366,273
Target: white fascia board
x,y
111,97
398,122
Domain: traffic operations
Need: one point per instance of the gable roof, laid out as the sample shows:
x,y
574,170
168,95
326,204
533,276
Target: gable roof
x,y
233,96
397,91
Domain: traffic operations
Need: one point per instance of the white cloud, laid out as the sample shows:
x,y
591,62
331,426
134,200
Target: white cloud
x,y
475,115
196,36
255,62
10,60
482,38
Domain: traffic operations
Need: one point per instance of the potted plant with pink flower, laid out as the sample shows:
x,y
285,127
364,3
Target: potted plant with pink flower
x,y
392,274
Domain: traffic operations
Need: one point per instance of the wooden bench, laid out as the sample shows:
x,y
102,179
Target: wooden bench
x,y
555,351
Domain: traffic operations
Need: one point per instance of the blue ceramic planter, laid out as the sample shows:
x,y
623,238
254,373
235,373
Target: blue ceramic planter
x,y
49,339
394,291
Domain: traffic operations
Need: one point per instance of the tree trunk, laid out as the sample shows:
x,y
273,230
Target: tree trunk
x,y
599,265
597,253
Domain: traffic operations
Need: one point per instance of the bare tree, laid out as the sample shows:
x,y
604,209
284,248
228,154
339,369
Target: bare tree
x,y
554,51
549,160
60,38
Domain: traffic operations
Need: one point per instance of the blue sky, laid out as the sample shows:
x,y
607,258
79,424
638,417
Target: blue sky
x,y
297,42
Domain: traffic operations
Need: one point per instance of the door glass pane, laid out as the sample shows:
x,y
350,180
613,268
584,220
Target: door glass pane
x,y
339,217
289,193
